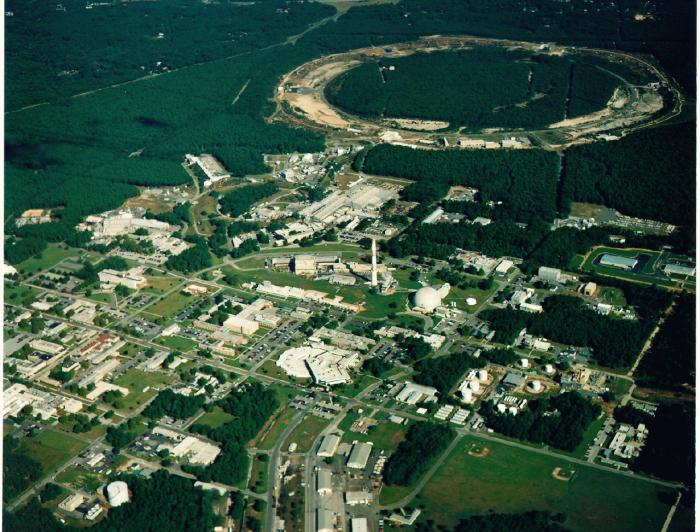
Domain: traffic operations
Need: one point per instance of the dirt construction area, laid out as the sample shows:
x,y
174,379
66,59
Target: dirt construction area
x,y
300,99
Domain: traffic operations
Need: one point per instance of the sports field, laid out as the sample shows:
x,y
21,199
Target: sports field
x,y
500,478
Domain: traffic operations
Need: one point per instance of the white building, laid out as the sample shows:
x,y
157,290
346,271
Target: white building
x,y
427,299
359,455
324,482
328,446
326,365
117,493
413,393
132,278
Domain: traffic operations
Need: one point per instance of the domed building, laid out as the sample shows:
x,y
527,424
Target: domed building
x,y
117,493
427,299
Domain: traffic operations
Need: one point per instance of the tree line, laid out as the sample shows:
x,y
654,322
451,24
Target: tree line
x,y
559,421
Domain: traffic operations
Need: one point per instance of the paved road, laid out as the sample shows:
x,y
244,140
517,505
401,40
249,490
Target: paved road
x,y
272,470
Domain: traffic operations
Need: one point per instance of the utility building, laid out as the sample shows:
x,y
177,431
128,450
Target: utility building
x,y
618,261
359,455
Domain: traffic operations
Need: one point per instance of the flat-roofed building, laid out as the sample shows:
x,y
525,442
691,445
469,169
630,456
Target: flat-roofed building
x,y
328,446
618,261
353,498
241,325
132,278
358,524
413,393
359,455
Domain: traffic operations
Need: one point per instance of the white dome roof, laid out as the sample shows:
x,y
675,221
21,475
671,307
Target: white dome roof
x,y
117,493
427,298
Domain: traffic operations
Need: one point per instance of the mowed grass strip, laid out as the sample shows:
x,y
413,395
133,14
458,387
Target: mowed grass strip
x,y
507,479
51,448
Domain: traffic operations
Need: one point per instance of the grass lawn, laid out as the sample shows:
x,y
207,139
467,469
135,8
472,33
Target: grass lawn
x,y
258,475
130,350
360,382
305,433
51,448
15,293
172,304
385,435
161,285
80,478
214,419
93,434
102,298
271,369
176,342
404,279
508,479
48,258
588,436
137,381
268,437
379,306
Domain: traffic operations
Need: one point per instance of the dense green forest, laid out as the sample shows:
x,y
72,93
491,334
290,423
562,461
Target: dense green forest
x,y
614,342
128,40
525,180
670,362
251,406
650,174
165,502
669,34
481,87
172,404
18,470
444,372
534,424
424,441
239,200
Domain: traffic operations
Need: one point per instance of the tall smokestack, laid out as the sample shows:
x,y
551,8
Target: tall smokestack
x,y
374,262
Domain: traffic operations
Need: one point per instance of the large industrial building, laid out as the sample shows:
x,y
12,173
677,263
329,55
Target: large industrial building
x,y
363,200
618,261
413,393
326,365
328,446
211,167
132,278
359,455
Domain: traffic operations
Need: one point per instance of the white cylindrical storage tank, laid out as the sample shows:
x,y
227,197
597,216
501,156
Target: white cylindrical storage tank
x,y
483,375
117,493
474,386
549,369
536,385
466,395
513,410
501,408
524,362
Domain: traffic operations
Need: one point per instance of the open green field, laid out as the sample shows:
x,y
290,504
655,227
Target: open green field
x,y
176,342
15,293
137,381
359,383
385,435
214,419
172,304
130,349
103,297
305,433
51,448
508,479
160,284
48,258
80,478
